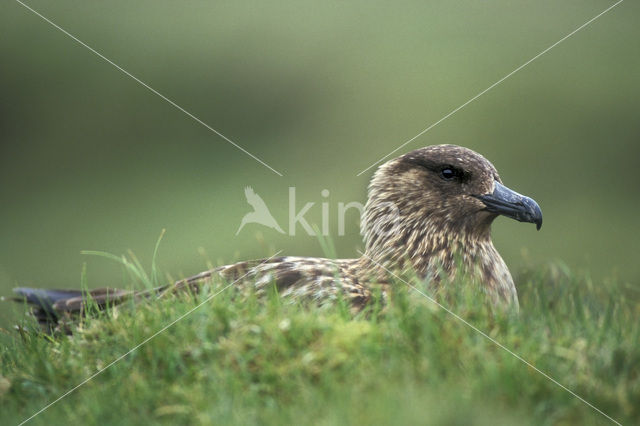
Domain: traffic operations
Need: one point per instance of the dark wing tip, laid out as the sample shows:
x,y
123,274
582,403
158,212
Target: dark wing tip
x,y
44,298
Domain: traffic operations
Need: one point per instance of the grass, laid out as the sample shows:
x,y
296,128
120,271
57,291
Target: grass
x,y
239,359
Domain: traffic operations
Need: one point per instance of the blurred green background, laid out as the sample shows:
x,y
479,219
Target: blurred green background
x,y
89,159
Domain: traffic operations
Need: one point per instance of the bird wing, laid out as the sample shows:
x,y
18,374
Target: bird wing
x,y
313,279
49,307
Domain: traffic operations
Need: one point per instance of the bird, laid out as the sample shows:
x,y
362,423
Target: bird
x,y
428,211
260,213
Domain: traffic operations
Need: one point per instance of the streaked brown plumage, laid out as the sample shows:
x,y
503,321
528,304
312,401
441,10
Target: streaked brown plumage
x,y
428,211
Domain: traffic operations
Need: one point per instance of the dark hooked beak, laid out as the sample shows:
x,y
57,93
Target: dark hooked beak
x,y
509,203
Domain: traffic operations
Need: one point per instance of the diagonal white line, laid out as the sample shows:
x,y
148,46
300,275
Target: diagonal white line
x,y
493,85
142,343
492,340
145,85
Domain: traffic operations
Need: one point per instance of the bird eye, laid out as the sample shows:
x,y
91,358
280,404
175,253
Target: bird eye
x,y
448,173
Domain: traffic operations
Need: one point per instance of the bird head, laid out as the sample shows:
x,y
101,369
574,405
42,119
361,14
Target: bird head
x,y
439,193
